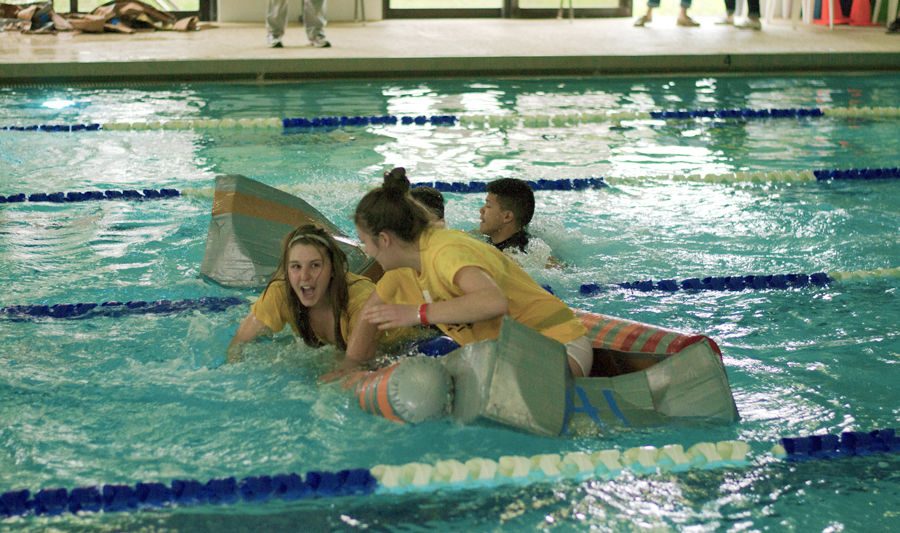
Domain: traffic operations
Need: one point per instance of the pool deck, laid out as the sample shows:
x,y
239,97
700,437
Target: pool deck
x,y
446,47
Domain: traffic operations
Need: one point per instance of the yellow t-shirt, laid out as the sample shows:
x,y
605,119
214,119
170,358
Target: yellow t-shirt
x,y
272,308
445,252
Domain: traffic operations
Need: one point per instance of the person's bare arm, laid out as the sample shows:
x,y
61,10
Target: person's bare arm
x,y
249,329
361,345
482,300
363,339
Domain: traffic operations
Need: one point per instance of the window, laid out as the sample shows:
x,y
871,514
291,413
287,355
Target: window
x,y
504,8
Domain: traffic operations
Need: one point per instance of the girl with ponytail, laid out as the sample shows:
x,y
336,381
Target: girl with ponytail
x,y
448,278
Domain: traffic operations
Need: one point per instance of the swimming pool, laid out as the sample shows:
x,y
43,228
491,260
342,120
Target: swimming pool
x,y
145,397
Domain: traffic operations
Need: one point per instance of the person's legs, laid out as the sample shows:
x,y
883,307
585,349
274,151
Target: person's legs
x,y
276,20
648,16
730,6
683,18
752,22
753,9
314,21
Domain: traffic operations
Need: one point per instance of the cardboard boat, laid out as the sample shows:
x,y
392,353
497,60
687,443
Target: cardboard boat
x,y
249,221
643,375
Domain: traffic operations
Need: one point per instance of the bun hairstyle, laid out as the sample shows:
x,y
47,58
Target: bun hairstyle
x,y
391,208
395,181
338,290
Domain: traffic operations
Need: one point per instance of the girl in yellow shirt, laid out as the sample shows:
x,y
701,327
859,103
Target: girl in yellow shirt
x,y
450,279
313,291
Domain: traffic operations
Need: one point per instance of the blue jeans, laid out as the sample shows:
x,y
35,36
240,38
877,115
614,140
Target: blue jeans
x,y
752,7
655,3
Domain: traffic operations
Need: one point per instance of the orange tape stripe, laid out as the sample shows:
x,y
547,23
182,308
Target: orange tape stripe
x,y
627,336
637,337
601,335
642,339
384,403
253,206
682,342
363,389
588,321
653,341
372,393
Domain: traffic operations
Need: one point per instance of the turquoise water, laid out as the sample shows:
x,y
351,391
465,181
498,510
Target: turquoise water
x,y
146,397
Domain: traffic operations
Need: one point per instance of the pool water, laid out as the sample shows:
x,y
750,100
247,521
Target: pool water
x,y
148,398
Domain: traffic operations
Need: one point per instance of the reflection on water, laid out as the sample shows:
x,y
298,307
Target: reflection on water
x,y
148,398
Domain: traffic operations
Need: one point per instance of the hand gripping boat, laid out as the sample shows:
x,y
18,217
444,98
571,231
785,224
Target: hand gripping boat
x,y
642,376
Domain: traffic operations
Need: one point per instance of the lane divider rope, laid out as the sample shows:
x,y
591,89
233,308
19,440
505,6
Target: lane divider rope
x,y
87,196
608,464
117,309
218,304
563,184
740,283
774,176
565,119
187,492
445,474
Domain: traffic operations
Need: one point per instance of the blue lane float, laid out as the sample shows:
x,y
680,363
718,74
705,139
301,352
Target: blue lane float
x,y
847,444
93,126
187,492
474,473
117,309
857,174
740,283
88,196
718,283
575,184
741,113
343,121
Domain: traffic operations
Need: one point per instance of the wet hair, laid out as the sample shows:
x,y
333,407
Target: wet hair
x,y
390,207
514,195
430,198
338,290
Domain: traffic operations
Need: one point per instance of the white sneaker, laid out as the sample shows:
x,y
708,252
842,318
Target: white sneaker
x,y
750,24
727,20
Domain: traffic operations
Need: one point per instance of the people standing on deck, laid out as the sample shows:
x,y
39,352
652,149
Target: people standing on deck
x,y
683,18
313,20
314,292
750,23
894,27
450,279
